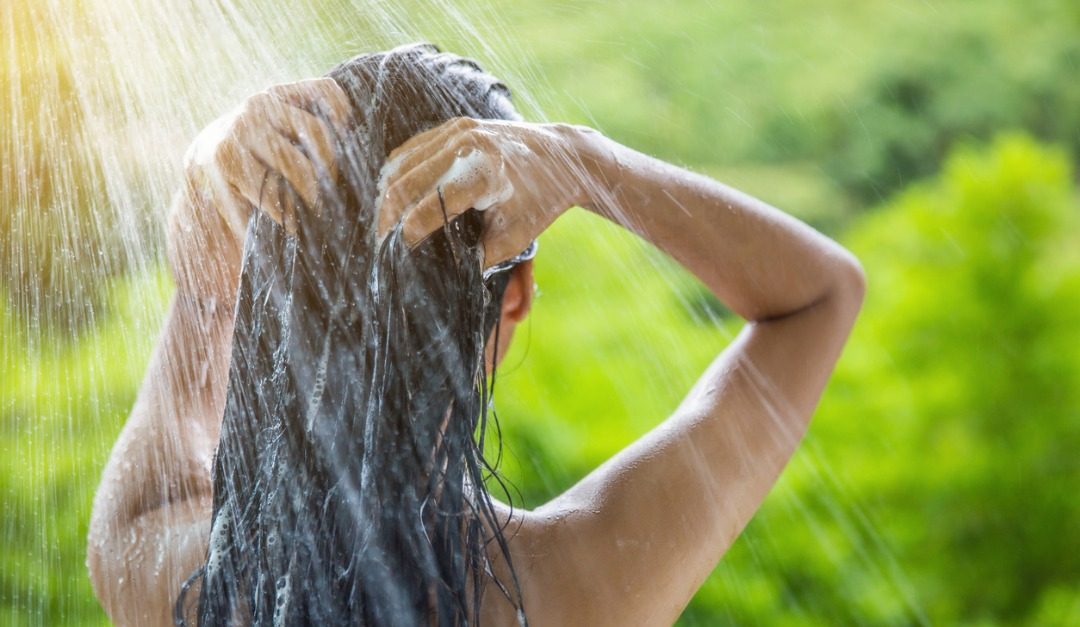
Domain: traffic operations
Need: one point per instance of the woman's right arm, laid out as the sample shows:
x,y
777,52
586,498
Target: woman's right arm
x,y
151,515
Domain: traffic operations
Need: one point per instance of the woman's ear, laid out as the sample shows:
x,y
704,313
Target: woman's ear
x,y
517,299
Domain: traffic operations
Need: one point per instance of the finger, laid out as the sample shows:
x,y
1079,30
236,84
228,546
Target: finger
x,y
277,153
321,96
435,135
243,181
509,228
390,208
236,170
420,182
237,211
233,207
499,248
290,201
406,155
314,136
271,199
495,252
502,240
440,207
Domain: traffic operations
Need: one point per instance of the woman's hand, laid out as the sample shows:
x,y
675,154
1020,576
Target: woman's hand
x,y
278,140
522,176
272,153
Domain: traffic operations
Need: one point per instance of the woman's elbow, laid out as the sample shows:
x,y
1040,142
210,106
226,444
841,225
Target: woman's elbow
x,y
850,286
105,569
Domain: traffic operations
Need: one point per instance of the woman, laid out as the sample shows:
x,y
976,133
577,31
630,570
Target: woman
x,y
413,259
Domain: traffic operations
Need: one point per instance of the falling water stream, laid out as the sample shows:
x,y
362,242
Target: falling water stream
x,y
98,102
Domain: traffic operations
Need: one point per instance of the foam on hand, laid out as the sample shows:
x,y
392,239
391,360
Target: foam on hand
x,y
476,165
466,169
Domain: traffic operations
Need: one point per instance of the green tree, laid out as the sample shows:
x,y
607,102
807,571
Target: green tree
x,y
956,412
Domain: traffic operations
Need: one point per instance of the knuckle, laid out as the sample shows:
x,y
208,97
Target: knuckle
x,y
257,101
281,89
484,142
323,85
463,123
562,127
260,106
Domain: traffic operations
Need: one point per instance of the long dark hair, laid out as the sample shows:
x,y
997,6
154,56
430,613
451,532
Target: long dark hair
x,y
349,481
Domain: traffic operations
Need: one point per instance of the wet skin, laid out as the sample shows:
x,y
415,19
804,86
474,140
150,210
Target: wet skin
x,y
645,528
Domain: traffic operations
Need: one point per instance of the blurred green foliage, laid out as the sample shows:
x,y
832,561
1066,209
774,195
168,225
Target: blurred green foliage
x,y
963,379
59,248
918,108
937,484
62,405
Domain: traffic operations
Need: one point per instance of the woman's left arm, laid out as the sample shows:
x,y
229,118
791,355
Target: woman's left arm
x,y
633,541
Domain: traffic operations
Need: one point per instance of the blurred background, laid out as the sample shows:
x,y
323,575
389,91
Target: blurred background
x,y
938,139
